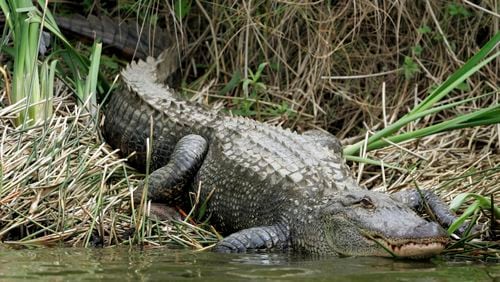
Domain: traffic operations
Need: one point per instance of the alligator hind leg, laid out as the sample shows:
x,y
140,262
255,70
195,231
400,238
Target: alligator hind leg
x,y
417,200
167,185
263,237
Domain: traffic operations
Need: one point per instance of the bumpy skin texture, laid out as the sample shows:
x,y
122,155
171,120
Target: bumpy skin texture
x,y
130,38
267,187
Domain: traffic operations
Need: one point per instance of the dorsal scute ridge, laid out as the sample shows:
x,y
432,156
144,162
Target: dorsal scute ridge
x,y
289,150
141,79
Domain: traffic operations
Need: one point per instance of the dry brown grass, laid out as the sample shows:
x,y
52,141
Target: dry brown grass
x,y
328,62
62,185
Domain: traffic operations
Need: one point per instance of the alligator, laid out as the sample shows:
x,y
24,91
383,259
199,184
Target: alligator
x,y
266,187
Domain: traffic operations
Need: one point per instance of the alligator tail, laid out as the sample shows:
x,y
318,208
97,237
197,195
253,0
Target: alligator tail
x,y
127,36
145,79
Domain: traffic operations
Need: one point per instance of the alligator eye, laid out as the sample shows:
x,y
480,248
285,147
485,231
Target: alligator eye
x,y
367,203
352,200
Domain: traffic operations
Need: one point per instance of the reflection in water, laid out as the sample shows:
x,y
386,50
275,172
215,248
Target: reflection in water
x,y
167,264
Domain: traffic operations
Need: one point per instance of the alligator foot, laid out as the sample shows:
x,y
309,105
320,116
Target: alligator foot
x,y
264,237
162,212
422,200
167,185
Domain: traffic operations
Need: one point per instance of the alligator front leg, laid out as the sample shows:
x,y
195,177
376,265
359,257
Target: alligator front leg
x,y
417,200
167,184
263,237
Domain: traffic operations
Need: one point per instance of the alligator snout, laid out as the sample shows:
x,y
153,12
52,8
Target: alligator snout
x,y
429,230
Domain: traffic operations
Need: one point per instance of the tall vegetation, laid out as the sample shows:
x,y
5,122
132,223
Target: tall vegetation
x,y
31,83
485,116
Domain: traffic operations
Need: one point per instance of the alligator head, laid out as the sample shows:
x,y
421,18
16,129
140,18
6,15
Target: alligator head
x,y
367,223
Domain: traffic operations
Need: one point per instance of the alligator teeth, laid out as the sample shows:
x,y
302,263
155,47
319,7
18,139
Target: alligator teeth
x,y
418,249
412,249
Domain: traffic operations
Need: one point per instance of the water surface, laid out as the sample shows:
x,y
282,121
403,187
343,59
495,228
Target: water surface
x,y
121,264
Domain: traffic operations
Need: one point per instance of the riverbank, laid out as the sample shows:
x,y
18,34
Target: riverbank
x,y
62,185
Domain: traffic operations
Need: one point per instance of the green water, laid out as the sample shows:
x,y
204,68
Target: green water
x,y
119,264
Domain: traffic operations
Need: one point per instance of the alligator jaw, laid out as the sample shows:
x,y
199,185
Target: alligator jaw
x,y
411,248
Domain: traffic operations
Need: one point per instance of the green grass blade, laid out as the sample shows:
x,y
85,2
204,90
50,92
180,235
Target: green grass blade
x,y
455,123
459,76
460,221
377,136
373,162
91,83
472,66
